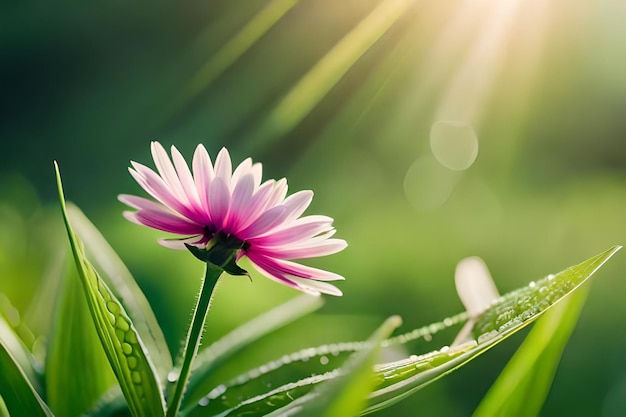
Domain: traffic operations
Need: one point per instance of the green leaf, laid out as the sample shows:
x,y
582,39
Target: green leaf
x,y
345,395
218,353
19,396
19,352
121,342
509,314
248,394
77,369
124,287
523,385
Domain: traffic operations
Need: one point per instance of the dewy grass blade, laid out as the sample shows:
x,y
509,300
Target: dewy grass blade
x,y
77,371
220,351
121,342
523,385
346,395
121,282
19,396
509,314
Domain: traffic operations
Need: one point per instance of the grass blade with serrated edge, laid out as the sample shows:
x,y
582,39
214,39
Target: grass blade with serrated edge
x,y
509,314
398,379
20,353
77,369
307,367
346,395
124,286
523,385
19,396
120,340
220,351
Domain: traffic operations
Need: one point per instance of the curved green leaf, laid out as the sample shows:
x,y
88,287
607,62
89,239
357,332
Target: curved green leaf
x,y
307,367
121,342
121,282
19,396
278,383
224,349
77,371
345,395
19,352
523,385
509,314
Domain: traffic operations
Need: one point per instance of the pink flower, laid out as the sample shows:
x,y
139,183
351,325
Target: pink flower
x,y
212,204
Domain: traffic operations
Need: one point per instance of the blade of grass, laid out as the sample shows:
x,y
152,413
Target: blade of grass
x,y
121,342
124,286
77,369
19,396
523,385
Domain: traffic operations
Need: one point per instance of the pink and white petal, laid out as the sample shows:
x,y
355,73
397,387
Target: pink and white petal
x,y
275,272
223,166
219,202
166,222
278,193
316,287
281,279
240,199
242,169
157,188
167,171
179,244
257,172
142,203
256,206
187,183
279,266
203,174
297,203
323,248
264,223
301,229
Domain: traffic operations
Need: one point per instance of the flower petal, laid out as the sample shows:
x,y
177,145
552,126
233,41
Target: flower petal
x,y
297,203
288,268
240,199
162,221
203,174
167,171
323,248
219,202
223,167
266,222
188,184
157,188
301,229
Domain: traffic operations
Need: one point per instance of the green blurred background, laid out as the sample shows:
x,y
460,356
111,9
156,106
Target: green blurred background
x,y
430,130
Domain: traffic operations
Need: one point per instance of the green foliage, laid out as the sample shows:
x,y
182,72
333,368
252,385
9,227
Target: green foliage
x,y
523,385
122,344
75,355
19,396
337,379
121,282
248,394
345,395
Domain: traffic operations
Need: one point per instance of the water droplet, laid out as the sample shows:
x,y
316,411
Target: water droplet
x,y
204,401
324,360
532,284
172,376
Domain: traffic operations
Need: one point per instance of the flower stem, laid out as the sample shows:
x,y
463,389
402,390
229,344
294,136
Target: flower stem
x,y
192,343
